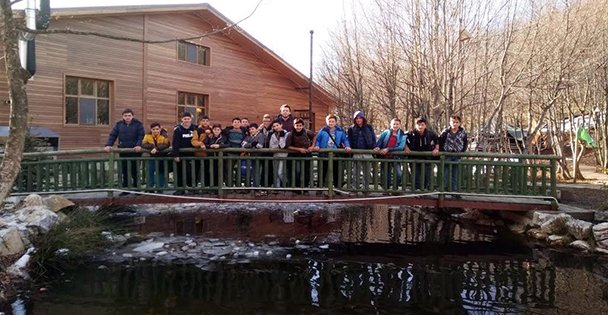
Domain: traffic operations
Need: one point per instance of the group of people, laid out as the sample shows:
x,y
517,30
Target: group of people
x,y
279,132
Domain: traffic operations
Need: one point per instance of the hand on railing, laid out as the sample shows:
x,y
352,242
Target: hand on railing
x,y
137,149
107,148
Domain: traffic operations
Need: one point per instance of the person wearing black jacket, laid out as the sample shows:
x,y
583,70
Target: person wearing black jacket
x,y
361,136
422,140
216,140
300,143
130,133
182,139
453,139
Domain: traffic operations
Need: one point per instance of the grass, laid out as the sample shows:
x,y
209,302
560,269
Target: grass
x,y
80,233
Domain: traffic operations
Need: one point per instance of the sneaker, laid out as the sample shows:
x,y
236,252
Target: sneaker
x,y
124,193
179,193
457,197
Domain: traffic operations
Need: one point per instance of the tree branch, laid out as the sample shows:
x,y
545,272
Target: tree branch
x,y
15,1
132,39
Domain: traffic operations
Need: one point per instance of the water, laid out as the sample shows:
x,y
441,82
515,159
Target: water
x,y
385,261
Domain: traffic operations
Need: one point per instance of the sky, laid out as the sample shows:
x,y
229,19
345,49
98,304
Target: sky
x,y
281,25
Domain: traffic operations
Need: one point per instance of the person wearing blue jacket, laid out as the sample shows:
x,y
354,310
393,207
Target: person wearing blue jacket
x,y
331,136
392,140
361,136
130,134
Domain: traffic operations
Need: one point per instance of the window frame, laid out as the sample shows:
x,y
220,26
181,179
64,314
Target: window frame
x,y
79,96
197,114
207,49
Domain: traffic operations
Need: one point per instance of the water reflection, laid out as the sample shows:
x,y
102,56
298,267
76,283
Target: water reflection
x,y
405,225
313,286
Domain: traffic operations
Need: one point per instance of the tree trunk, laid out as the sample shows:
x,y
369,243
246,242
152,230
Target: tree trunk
x,y
18,124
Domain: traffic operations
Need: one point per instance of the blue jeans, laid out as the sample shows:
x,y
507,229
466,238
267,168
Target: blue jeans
x,y
451,177
152,171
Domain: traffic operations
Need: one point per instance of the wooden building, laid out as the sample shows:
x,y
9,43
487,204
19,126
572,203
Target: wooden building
x,y
83,83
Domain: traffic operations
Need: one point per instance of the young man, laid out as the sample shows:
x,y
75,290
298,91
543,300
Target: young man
x,y
156,141
361,136
422,140
254,140
130,133
265,129
245,123
235,136
300,143
216,140
392,140
235,133
182,139
286,118
202,131
453,139
331,136
278,141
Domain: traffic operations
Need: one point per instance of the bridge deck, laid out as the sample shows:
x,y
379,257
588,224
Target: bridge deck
x,y
467,201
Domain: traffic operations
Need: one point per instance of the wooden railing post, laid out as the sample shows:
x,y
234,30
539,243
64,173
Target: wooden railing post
x,y
111,171
330,174
442,175
220,174
553,169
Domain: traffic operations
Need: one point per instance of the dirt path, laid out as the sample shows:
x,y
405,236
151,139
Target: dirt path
x,y
591,193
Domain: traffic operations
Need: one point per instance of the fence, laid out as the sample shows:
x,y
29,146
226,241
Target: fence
x,y
264,170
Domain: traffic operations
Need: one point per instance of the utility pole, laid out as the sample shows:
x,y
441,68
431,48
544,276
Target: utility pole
x,y
310,122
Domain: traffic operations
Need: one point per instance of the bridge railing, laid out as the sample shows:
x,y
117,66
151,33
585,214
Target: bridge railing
x,y
264,170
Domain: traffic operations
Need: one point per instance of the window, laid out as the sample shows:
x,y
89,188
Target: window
x,y
304,115
87,101
193,103
193,53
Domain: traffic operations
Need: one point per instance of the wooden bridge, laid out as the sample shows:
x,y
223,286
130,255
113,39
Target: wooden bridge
x,y
484,180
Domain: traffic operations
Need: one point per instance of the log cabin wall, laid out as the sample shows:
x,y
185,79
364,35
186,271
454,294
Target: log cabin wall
x,y
148,77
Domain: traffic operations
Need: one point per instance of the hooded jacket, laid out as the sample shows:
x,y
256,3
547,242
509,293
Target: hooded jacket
x,y
129,136
361,137
341,141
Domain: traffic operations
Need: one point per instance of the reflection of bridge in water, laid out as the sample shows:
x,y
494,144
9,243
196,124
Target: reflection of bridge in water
x,y
485,180
433,285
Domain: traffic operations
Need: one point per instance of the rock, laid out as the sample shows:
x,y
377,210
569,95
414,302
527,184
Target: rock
x,y
38,217
601,216
559,240
32,200
581,230
541,217
517,228
600,234
10,242
19,268
537,233
555,224
149,247
57,203
579,244
3,224
601,250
